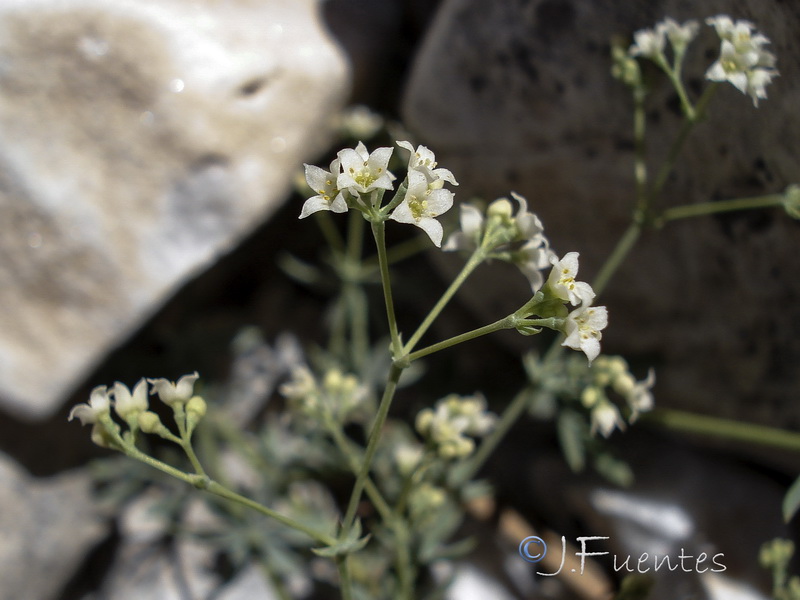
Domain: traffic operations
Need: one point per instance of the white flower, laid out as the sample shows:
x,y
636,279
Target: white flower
x,y
99,405
329,196
562,281
679,35
422,204
605,417
648,43
531,258
363,172
469,237
529,227
174,393
743,61
423,159
127,403
640,398
583,328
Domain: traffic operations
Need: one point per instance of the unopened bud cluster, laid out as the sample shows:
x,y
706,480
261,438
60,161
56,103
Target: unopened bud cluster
x,y
338,396
451,426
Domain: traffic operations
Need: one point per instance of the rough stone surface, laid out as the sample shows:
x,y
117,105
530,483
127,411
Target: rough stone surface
x,y
516,95
47,527
140,140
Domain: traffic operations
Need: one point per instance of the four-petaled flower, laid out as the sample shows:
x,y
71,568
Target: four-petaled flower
x,y
743,61
174,393
329,196
468,238
422,204
127,403
99,405
531,258
648,43
562,281
423,159
363,172
583,328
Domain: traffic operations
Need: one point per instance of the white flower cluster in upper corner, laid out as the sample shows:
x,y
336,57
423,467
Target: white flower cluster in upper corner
x,y
743,60
584,325
454,419
358,179
515,238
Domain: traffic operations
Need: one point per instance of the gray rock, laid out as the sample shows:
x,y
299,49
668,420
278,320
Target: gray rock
x,y
48,527
516,95
141,139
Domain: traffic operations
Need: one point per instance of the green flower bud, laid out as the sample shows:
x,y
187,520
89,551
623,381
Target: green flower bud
x,y
196,408
149,422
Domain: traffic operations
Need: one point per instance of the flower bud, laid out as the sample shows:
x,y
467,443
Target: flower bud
x,y
149,422
196,408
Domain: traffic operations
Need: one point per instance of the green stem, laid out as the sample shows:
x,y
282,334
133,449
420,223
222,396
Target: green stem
x,y
725,428
379,231
505,323
615,259
345,583
677,144
346,448
372,445
640,154
477,258
708,208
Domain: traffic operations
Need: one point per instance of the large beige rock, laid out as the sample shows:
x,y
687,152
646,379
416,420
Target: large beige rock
x,y
139,140
48,526
517,96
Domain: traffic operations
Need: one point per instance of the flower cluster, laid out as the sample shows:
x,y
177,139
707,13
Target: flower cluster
x,y
132,406
517,238
650,43
339,397
583,326
612,373
743,60
358,179
455,418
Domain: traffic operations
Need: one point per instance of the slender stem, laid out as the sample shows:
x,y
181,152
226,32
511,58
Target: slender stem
x,y
219,490
725,428
677,144
203,482
346,448
505,323
379,231
708,208
474,260
345,583
640,154
615,259
372,445
187,448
